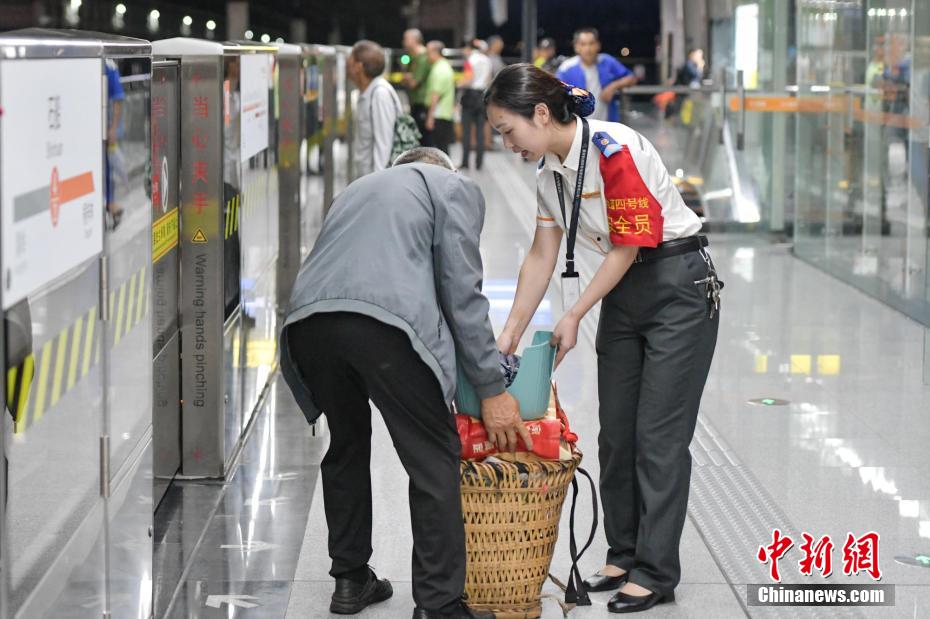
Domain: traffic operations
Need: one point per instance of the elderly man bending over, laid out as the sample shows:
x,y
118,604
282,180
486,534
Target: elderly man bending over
x,y
386,301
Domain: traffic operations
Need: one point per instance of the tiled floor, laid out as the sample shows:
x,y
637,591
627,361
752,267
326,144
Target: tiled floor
x,y
848,453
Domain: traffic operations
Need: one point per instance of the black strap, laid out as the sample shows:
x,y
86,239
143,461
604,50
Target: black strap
x,y
575,593
576,202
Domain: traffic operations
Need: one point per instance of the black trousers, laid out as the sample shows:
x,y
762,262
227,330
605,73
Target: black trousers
x,y
345,359
655,343
442,135
473,115
419,111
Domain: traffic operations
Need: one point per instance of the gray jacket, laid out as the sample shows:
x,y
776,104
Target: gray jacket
x,y
401,246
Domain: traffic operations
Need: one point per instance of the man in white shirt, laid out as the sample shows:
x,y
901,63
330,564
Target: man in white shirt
x,y
477,77
376,111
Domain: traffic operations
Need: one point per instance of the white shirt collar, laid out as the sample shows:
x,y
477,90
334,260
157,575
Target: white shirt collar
x,y
571,160
371,87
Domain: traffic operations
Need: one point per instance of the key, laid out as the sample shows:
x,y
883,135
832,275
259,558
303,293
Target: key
x,y
712,292
709,296
715,296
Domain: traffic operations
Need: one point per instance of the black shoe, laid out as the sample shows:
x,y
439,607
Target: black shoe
x,y
463,166
462,612
351,597
599,582
624,603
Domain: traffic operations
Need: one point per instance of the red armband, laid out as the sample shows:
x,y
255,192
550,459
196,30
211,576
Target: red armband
x,y
633,214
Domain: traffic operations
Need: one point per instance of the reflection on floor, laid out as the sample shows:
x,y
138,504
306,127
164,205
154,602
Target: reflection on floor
x,y
846,453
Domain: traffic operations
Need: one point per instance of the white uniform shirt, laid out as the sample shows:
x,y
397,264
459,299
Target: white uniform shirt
x,y
375,115
679,221
593,85
481,71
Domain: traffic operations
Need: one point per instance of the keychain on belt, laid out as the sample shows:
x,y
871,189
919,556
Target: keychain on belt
x,y
571,284
712,286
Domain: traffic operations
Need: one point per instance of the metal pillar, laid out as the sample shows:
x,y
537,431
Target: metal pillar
x,y
695,24
289,137
237,19
673,35
471,18
529,29
299,31
779,121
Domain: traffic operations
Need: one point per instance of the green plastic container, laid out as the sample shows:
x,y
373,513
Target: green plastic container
x,y
531,387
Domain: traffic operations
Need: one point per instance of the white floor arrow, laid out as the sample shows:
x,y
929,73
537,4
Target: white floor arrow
x,y
254,546
281,477
262,502
215,601
116,599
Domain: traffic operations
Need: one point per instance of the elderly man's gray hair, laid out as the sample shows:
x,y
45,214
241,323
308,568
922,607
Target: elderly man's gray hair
x,y
424,154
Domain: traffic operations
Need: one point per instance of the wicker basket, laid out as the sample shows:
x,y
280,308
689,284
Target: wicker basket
x,y
511,513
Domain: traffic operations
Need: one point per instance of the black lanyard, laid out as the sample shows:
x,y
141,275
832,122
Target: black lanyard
x,y
576,202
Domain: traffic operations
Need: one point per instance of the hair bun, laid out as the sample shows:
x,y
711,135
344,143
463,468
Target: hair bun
x,y
582,101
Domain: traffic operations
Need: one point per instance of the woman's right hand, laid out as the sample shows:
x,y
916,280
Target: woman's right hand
x,y
507,342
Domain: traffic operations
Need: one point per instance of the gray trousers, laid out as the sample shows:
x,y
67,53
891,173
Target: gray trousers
x,y
655,344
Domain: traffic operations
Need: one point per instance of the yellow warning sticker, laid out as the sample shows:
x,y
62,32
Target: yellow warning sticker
x,y
164,235
54,368
199,237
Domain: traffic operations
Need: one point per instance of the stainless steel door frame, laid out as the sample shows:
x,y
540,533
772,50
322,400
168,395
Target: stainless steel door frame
x,y
166,421
258,226
217,198
126,355
330,127
205,221
4,558
317,122
75,542
290,131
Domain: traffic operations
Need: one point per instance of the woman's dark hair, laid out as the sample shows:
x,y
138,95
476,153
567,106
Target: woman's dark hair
x,y
519,87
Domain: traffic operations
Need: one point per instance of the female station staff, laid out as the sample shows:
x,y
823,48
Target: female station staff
x,y
604,183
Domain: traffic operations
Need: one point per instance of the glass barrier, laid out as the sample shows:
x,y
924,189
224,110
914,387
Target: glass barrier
x,y
840,162
728,180
129,247
863,133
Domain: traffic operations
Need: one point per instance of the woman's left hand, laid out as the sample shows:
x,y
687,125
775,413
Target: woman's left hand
x,y
565,336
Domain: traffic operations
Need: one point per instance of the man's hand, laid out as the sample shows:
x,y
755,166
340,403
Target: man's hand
x,y
607,95
430,123
565,336
500,415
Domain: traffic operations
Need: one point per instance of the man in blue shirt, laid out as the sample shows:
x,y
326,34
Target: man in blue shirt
x,y
116,165
600,74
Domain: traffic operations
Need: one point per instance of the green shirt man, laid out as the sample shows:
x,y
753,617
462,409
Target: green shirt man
x,y
441,84
419,69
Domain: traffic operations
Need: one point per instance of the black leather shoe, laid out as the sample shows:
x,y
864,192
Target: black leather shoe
x,y
624,603
352,597
599,582
463,612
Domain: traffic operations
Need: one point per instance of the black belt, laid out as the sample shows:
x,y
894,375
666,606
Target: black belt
x,y
671,248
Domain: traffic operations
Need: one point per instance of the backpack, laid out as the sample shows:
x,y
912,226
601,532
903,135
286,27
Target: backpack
x,y
406,133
